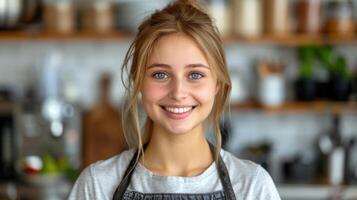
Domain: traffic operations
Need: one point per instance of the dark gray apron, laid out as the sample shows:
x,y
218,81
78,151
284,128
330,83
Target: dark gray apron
x,y
227,193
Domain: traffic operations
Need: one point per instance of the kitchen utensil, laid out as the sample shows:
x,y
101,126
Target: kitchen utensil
x,y
272,90
2,12
14,8
10,13
102,129
271,86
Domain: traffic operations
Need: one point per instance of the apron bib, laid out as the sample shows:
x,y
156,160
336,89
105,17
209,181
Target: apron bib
x,y
227,193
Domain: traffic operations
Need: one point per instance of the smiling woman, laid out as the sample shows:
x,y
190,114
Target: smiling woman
x,y
178,93
177,66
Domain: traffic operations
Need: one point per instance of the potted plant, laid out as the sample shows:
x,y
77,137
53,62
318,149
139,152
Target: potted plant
x,y
305,84
340,77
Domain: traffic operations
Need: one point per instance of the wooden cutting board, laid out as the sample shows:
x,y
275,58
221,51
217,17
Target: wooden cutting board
x,y
102,129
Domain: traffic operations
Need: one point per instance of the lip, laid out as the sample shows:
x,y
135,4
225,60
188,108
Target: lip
x,y
179,106
178,116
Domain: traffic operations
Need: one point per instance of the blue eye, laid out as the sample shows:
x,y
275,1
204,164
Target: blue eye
x,y
160,75
195,75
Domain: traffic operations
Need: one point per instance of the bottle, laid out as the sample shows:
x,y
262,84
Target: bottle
x,y
351,161
337,155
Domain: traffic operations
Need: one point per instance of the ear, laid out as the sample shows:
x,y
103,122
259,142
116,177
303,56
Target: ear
x,y
218,87
140,96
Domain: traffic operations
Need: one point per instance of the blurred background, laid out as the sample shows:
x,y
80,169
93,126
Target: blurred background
x,y
293,67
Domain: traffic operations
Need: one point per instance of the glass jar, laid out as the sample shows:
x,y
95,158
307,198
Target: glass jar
x,y
276,17
98,16
340,19
220,13
309,16
59,16
247,17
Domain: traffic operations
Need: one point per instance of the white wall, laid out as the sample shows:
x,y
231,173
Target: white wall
x,y
84,61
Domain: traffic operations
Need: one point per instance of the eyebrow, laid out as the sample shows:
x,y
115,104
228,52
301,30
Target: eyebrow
x,y
168,66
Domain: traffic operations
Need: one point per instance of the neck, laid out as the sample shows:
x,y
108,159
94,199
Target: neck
x,y
167,153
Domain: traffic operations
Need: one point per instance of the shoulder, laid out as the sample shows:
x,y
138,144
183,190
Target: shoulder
x,y
244,169
100,179
249,179
115,165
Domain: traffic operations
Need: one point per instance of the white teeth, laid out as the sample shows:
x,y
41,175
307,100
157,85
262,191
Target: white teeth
x,y
178,110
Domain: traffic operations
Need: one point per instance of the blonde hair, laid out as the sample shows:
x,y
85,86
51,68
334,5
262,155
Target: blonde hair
x,y
181,16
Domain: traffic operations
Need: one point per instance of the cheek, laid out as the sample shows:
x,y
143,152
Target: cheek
x,y
152,93
206,93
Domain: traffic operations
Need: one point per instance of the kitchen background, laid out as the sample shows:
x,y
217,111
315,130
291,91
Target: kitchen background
x,y
293,109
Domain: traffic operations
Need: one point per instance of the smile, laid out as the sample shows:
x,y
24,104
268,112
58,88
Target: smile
x,y
178,110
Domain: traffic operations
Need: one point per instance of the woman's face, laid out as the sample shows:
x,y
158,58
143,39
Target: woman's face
x,y
179,86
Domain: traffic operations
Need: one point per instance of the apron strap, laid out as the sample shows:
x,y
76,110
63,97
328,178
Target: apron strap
x,y
226,181
220,165
119,192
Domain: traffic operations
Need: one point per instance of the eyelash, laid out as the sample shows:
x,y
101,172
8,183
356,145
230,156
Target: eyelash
x,y
157,74
200,74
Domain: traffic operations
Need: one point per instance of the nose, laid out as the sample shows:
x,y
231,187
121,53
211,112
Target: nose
x,y
178,90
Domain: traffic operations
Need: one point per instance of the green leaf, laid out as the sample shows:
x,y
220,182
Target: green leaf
x,y
306,70
49,164
325,56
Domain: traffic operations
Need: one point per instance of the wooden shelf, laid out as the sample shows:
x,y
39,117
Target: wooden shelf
x,y
291,40
46,36
283,40
300,107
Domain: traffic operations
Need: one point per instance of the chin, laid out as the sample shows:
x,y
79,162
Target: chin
x,y
177,130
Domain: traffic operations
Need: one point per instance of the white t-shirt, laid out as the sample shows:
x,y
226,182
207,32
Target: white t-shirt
x,y
100,180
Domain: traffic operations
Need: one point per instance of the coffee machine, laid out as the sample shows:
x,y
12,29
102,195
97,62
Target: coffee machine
x,y
49,124
7,140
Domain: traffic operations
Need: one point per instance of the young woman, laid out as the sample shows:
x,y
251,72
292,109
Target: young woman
x,y
177,71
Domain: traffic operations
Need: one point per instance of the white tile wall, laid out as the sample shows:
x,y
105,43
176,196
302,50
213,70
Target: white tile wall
x,y
84,61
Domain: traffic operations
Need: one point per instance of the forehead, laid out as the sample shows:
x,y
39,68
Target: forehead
x,y
177,50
